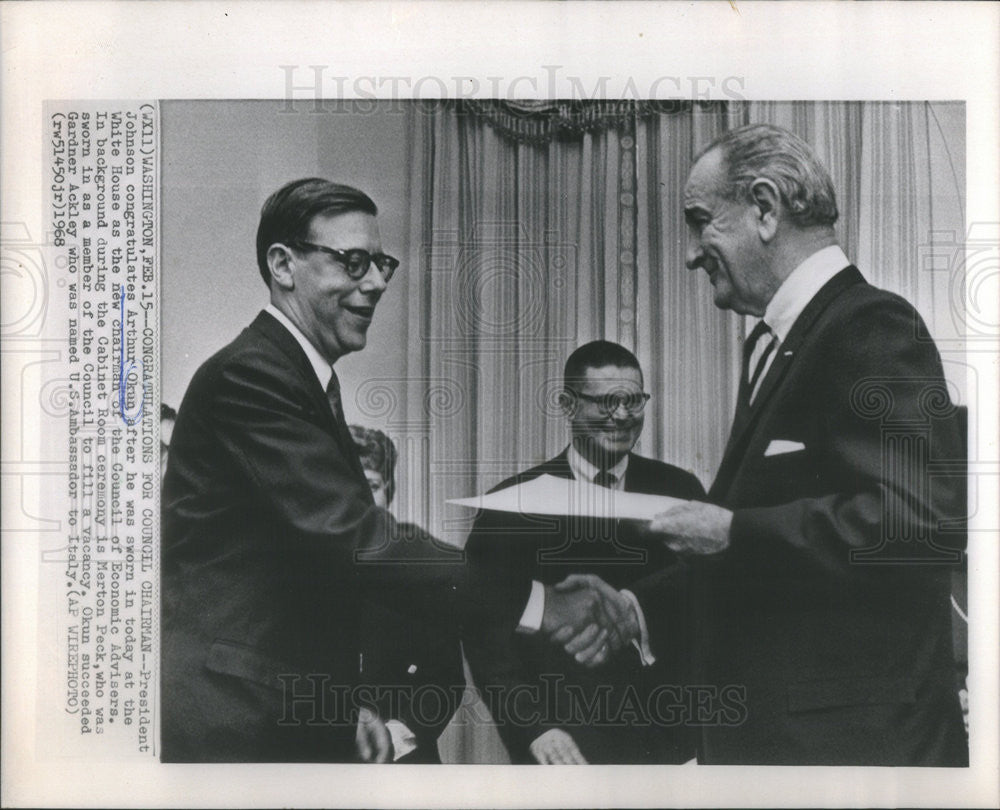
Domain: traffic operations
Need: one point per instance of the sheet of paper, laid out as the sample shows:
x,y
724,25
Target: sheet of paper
x,y
548,495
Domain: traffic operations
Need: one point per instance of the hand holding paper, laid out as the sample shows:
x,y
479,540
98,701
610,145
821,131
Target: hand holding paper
x,y
693,527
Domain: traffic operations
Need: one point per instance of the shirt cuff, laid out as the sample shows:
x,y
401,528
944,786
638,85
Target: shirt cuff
x,y
531,619
641,643
404,741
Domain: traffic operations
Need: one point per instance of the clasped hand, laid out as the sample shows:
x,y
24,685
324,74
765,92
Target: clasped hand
x,y
589,618
372,741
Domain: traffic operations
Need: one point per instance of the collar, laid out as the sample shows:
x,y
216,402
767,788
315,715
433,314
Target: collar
x,y
802,284
583,470
324,371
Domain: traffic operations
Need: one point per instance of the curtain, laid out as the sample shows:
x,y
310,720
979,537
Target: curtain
x,y
544,225
899,172
531,246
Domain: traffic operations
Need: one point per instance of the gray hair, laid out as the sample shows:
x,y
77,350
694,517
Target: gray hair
x,y
772,153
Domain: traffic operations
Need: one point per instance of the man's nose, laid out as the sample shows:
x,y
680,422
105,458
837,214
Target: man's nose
x,y
694,255
373,280
620,413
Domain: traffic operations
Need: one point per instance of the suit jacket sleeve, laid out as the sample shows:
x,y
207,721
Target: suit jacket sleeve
x,y
663,594
420,661
264,423
495,557
416,667
496,581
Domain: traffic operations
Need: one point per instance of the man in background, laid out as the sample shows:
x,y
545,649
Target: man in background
x,y
550,708
819,571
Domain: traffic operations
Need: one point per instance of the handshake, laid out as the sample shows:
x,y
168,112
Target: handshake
x,y
589,618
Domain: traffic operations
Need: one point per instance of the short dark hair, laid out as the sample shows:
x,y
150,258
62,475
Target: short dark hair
x,y
773,153
166,412
378,454
288,213
597,354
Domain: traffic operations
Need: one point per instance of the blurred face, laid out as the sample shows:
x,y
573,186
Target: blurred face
x,y
332,310
379,492
600,437
722,240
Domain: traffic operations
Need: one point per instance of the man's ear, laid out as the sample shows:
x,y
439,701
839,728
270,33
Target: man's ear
x,y
567,402
767,200
279,262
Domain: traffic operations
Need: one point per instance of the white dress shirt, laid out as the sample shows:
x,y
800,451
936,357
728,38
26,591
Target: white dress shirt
x,y
793,296
583,470
324,371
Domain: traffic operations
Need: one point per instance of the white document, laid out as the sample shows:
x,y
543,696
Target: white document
x,y
548,495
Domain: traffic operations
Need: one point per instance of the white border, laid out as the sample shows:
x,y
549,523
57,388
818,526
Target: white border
x,y
889,51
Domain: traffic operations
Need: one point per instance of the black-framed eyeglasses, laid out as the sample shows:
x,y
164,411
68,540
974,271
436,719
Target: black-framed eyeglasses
x,y
632,402
356,261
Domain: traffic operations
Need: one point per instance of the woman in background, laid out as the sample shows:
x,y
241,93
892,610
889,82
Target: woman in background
x,y
414,668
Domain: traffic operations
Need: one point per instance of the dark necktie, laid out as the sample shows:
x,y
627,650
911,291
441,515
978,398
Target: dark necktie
x,y
606,479
333,397
340,424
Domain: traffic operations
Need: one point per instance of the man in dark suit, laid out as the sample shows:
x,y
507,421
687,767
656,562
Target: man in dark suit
x,y
271,539
266,510
819,571
550,708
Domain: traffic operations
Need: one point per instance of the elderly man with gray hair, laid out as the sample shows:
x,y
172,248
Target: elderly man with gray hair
x,y
818,569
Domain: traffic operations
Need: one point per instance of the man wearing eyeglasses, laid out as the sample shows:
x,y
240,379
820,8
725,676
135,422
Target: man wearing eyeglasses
x,y
551,708
266,505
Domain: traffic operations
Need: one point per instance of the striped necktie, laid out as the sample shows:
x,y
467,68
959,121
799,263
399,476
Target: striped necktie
x,y
757,355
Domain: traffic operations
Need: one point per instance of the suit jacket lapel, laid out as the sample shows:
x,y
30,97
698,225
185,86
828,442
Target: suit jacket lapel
x,y
558,466
634,480
787,352
270,328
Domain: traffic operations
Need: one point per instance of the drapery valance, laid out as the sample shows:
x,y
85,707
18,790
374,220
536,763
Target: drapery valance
x,y
541,122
